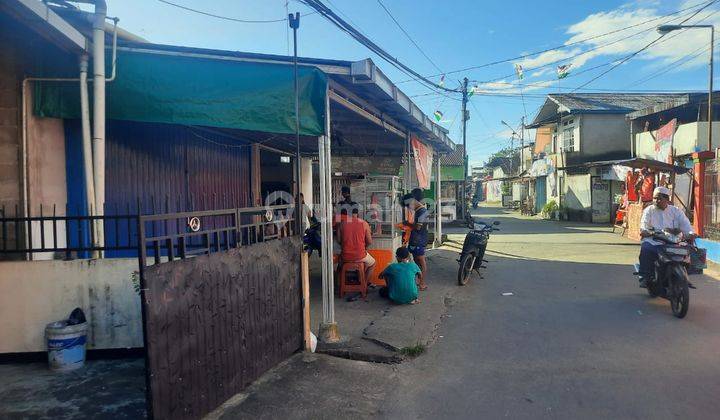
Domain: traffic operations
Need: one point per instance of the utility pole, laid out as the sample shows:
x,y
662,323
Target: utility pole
x,y
522,144
465,118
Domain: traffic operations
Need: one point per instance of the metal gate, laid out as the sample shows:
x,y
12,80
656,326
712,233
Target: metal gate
x,y
711,200
222,304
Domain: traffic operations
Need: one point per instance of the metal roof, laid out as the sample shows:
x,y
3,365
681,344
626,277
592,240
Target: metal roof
x,y
681,100
47,23
455,158
363,78
558,104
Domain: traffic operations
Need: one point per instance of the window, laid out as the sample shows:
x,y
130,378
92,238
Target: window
x,y
568,139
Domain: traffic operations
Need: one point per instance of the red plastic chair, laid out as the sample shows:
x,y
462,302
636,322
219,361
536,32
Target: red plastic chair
x,y
359,286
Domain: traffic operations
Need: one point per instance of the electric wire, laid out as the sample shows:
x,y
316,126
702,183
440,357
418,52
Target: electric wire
x,y
336,20
408,36
213,15
630,56
560,47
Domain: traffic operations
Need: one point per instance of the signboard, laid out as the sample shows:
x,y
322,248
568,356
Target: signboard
x,y
423,162
600,200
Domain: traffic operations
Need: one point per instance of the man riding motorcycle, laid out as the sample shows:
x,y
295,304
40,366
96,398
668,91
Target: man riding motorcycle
x,y
660,216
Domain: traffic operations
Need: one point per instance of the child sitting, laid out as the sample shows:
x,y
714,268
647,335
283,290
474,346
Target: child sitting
x,y
401,279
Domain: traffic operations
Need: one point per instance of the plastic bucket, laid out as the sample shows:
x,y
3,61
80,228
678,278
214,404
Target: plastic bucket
x,y
66,345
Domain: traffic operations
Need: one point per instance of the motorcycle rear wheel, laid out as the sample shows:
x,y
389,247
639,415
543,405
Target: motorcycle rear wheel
x,y
679,292
465,269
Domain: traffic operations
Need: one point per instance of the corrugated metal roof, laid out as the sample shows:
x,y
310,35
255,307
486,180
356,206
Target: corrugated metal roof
x,y
682,100
455,158
598,103
619,103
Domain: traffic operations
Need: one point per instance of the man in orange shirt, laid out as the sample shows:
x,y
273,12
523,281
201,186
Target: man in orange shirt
x,y
354,237
631,180
647,185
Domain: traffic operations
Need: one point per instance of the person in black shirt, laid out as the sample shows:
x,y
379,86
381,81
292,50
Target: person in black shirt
x,y
418,234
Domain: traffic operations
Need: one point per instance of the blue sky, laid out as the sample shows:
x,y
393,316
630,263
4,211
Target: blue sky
x,y
457,34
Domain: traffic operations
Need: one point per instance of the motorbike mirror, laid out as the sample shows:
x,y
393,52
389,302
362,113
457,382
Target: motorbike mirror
x,y
496,223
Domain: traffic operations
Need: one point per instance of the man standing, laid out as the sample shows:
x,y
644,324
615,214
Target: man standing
x,y
658,217
418,234
353,235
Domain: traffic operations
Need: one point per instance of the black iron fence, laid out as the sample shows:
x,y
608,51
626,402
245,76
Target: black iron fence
x,y
171,235
166,237
64,236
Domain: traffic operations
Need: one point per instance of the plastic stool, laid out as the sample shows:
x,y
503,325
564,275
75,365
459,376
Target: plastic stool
x,y
360,286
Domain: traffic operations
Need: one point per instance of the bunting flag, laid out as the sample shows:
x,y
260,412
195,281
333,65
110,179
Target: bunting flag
x,y
442,80
438,115
563,71
473,90
519,71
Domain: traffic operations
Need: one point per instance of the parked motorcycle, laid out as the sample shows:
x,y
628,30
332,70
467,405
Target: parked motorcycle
x,y
670,277
473,251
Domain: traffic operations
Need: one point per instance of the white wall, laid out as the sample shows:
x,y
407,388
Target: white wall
x,y
577,192
687,138
35,293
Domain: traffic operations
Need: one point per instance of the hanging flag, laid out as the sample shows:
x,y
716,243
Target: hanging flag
x,y
438,116
473,90
563,71
442,80
519,71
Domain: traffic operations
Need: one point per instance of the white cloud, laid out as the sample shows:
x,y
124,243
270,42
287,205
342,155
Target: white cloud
x,y
685,48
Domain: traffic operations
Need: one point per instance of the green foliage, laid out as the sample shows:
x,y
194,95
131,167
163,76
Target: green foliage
x,y
549,208
413,351
505,189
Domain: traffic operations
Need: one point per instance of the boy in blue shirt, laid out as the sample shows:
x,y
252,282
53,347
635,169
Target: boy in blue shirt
x,y
401,279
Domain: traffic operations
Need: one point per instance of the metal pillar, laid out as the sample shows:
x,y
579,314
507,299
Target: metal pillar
x,y
465,151
438,205
328,331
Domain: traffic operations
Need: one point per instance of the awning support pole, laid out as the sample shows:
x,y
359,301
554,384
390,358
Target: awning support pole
x,y
438,205
328,331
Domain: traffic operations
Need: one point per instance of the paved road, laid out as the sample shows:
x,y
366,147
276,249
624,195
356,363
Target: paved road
x,y
577,339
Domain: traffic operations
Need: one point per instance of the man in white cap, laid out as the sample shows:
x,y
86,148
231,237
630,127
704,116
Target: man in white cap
x,y
659,216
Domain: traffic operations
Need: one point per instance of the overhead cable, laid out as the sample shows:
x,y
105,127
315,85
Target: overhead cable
x,y
189,9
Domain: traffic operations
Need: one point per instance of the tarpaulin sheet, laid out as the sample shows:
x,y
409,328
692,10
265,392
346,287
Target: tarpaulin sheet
x,y
200,91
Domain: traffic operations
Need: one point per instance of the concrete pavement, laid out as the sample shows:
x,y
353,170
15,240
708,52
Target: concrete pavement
x,y
576,339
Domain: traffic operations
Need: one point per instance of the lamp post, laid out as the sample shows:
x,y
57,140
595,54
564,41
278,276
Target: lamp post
x,y
665,29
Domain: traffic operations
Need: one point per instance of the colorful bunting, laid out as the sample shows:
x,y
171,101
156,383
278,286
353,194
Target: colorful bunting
x,y
563,71
519,71
442,80
438,116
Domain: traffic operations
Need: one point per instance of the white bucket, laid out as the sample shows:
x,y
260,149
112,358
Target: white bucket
x,y
66,345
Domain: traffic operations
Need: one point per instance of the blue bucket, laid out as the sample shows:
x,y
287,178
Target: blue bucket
x,y
66,345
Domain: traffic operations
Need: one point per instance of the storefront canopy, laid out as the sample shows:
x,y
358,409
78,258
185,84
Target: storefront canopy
x,y
185,90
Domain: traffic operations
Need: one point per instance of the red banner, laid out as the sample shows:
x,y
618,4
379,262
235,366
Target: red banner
x,y
423,162
663,141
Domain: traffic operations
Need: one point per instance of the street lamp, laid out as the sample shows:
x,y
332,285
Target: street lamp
x,y
665,29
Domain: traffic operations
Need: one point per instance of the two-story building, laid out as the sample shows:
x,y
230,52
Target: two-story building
x,y
578,130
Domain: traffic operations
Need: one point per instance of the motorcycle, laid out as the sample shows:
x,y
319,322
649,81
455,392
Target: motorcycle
x,y
473,250
670,277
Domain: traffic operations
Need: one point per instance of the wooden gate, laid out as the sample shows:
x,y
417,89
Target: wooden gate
x,y
217,321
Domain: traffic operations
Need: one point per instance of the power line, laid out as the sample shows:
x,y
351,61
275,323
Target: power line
x,y
560,47
629,57
408,36
671,66
372,46
180,6
570,58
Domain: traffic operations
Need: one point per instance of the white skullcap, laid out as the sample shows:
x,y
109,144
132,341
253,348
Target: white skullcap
x,y
661,190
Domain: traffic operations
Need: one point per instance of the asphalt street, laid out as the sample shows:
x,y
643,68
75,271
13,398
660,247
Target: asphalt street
x,y
558,328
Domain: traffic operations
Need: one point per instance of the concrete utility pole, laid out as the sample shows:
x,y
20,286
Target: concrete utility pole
x,y
522,144
465,118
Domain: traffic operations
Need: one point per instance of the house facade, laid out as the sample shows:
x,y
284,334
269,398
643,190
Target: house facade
x,y
576,131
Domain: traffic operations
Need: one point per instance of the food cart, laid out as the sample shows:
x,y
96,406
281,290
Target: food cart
x,y
380,200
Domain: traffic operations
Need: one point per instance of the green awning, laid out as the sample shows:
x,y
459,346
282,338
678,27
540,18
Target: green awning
x,y
200,91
